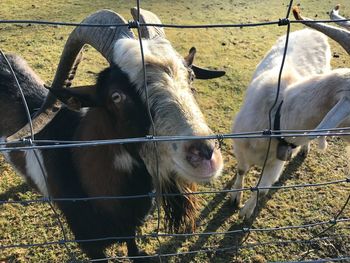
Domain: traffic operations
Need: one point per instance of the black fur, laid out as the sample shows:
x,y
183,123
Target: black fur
x,y
90,219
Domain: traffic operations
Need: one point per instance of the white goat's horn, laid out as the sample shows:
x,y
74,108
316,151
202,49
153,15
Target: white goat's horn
x,y
336,115
147,17
338,34
334,14
101,38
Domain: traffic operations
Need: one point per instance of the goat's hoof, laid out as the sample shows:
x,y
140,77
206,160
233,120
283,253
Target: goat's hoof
x,y
322,144
246,211
304,151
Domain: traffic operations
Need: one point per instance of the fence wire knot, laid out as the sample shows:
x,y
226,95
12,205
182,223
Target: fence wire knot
x,y
220,138
245,229
133,24
267,132
333,221
283,22
149,137
254,188
27,141
154,235
152,194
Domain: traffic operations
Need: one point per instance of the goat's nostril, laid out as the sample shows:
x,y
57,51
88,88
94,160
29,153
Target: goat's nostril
x,y
202,150
206,152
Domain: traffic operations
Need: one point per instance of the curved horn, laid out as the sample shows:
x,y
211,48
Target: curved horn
x,y
202,73
101,38
334,14
147,17
338,34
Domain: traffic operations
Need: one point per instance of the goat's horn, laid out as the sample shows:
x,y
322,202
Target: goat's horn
x,y
338,34
147,17
334,14
101,38
336,115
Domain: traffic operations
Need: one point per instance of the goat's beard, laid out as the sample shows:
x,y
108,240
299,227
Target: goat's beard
x,y
173,191
179,203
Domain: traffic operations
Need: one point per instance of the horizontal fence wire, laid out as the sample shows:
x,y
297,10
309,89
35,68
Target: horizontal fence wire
x,y
248,246
33,144
153,195
238,231
132,24
265,134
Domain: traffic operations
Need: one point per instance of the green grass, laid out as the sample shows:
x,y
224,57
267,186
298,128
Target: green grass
x,y
236,50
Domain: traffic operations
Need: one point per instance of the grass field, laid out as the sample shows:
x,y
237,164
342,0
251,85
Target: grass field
x,y
237,51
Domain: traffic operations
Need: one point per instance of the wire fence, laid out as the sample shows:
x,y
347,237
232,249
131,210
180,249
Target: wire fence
x,y
321,235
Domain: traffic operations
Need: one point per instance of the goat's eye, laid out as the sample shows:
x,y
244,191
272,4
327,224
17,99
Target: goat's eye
x,y
193,90
191,76
117,97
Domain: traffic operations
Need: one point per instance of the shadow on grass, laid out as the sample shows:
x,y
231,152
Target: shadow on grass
x,y
12,193
231,240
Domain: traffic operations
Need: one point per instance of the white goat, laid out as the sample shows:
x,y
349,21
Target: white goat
x,y
308,55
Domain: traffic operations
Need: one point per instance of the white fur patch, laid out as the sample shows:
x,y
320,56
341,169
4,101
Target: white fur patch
x,y
35,170
5,154
123,161
83,111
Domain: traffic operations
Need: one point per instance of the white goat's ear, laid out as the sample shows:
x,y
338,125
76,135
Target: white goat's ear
x,y
190,57
78,97
336,115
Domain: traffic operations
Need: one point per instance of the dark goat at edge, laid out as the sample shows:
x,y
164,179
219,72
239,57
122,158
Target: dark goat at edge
x,y
116,109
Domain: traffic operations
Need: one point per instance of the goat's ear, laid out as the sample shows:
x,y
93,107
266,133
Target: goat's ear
x,y
77,97
190,57
199,72
336,115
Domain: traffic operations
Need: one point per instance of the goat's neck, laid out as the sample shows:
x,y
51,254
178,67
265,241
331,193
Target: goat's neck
x,y
97,125
307,103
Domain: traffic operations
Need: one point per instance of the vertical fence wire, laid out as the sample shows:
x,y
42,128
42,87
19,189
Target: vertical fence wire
x,y
154,133
256,189
37,159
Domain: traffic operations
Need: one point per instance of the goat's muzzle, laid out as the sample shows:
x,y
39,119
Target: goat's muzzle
x,y
204,158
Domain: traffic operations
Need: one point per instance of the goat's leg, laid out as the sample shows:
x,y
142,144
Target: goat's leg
x,y
305,149
271,174
133,251
94,251
238,184
322,143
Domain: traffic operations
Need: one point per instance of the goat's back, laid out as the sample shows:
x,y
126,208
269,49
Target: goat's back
x,y
12,111
308,54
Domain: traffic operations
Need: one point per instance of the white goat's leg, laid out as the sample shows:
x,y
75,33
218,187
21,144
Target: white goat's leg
x,y
322,143
305,149
238,184
272,172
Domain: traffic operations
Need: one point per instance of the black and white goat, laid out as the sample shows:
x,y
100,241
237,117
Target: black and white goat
x,y
116,109
308,54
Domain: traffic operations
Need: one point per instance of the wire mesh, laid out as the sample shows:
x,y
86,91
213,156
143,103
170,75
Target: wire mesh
x,y
33,144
